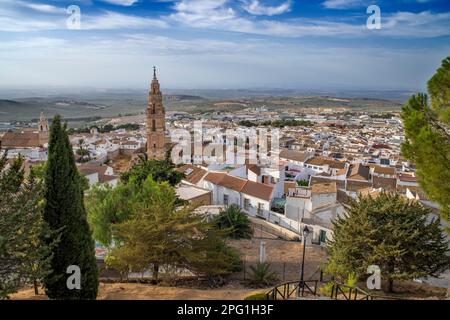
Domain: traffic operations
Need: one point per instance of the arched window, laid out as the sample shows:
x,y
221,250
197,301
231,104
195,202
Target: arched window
x,y
153,125
154,108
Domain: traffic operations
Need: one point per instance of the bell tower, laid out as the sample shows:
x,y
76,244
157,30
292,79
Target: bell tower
x,y
156,122
43,129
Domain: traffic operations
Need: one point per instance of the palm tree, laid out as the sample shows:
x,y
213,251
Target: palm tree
x,y
234,219
261,275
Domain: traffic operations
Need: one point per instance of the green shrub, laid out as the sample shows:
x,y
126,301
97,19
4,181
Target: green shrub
x,y
303,183
352,280
257,296
236,221
261,275
325,290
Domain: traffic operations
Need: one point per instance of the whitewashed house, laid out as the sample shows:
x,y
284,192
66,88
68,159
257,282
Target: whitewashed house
x,y
253,197
99,174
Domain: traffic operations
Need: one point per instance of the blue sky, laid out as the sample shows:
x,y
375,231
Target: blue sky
x,y
303,44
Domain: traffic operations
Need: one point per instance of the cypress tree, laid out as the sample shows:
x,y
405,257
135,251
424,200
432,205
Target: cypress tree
x,y
65,214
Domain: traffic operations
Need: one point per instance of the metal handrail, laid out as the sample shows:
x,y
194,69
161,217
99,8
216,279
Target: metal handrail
x,y
284,290
352,293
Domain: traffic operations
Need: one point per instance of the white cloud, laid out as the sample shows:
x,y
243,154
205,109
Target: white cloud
x,y
199,6
126,3
203,13
342,4
108,20
256,8
114,20
45,8
26,25
423,24
220,15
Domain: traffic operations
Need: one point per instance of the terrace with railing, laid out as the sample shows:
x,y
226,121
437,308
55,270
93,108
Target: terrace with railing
x,y
304,289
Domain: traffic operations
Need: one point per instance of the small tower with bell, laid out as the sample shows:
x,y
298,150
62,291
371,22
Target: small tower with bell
x,y
43,129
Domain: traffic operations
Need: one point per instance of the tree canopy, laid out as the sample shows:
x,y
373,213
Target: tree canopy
x,y
23,251
151,231
160,170
391,232
426,122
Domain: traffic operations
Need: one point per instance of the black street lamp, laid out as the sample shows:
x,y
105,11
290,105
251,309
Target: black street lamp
x,y
306,233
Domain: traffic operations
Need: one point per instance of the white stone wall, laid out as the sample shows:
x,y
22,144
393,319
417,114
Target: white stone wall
x,y
254,202
321,199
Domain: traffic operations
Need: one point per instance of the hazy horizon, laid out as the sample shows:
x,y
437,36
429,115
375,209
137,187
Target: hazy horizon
x,y
87,93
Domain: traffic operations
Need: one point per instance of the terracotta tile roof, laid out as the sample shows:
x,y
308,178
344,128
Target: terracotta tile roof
x,y
294,155
406,177
88,169
384,170
318,179
20,140
374,193
355,186
342,197
254,168
358,172
215,177
254,189
232,183
258,190
192,174
329,187
385,183
320,161
102,178
288,185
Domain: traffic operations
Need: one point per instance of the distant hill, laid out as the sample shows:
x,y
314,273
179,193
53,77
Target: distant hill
x,y
91,105
292,104
181,97
28,109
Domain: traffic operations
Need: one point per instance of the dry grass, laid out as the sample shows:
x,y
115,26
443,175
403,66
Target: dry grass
x,y
137,291
284,256
415,291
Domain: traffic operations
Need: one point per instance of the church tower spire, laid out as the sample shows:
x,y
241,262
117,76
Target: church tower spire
x,y
43,129
156,122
